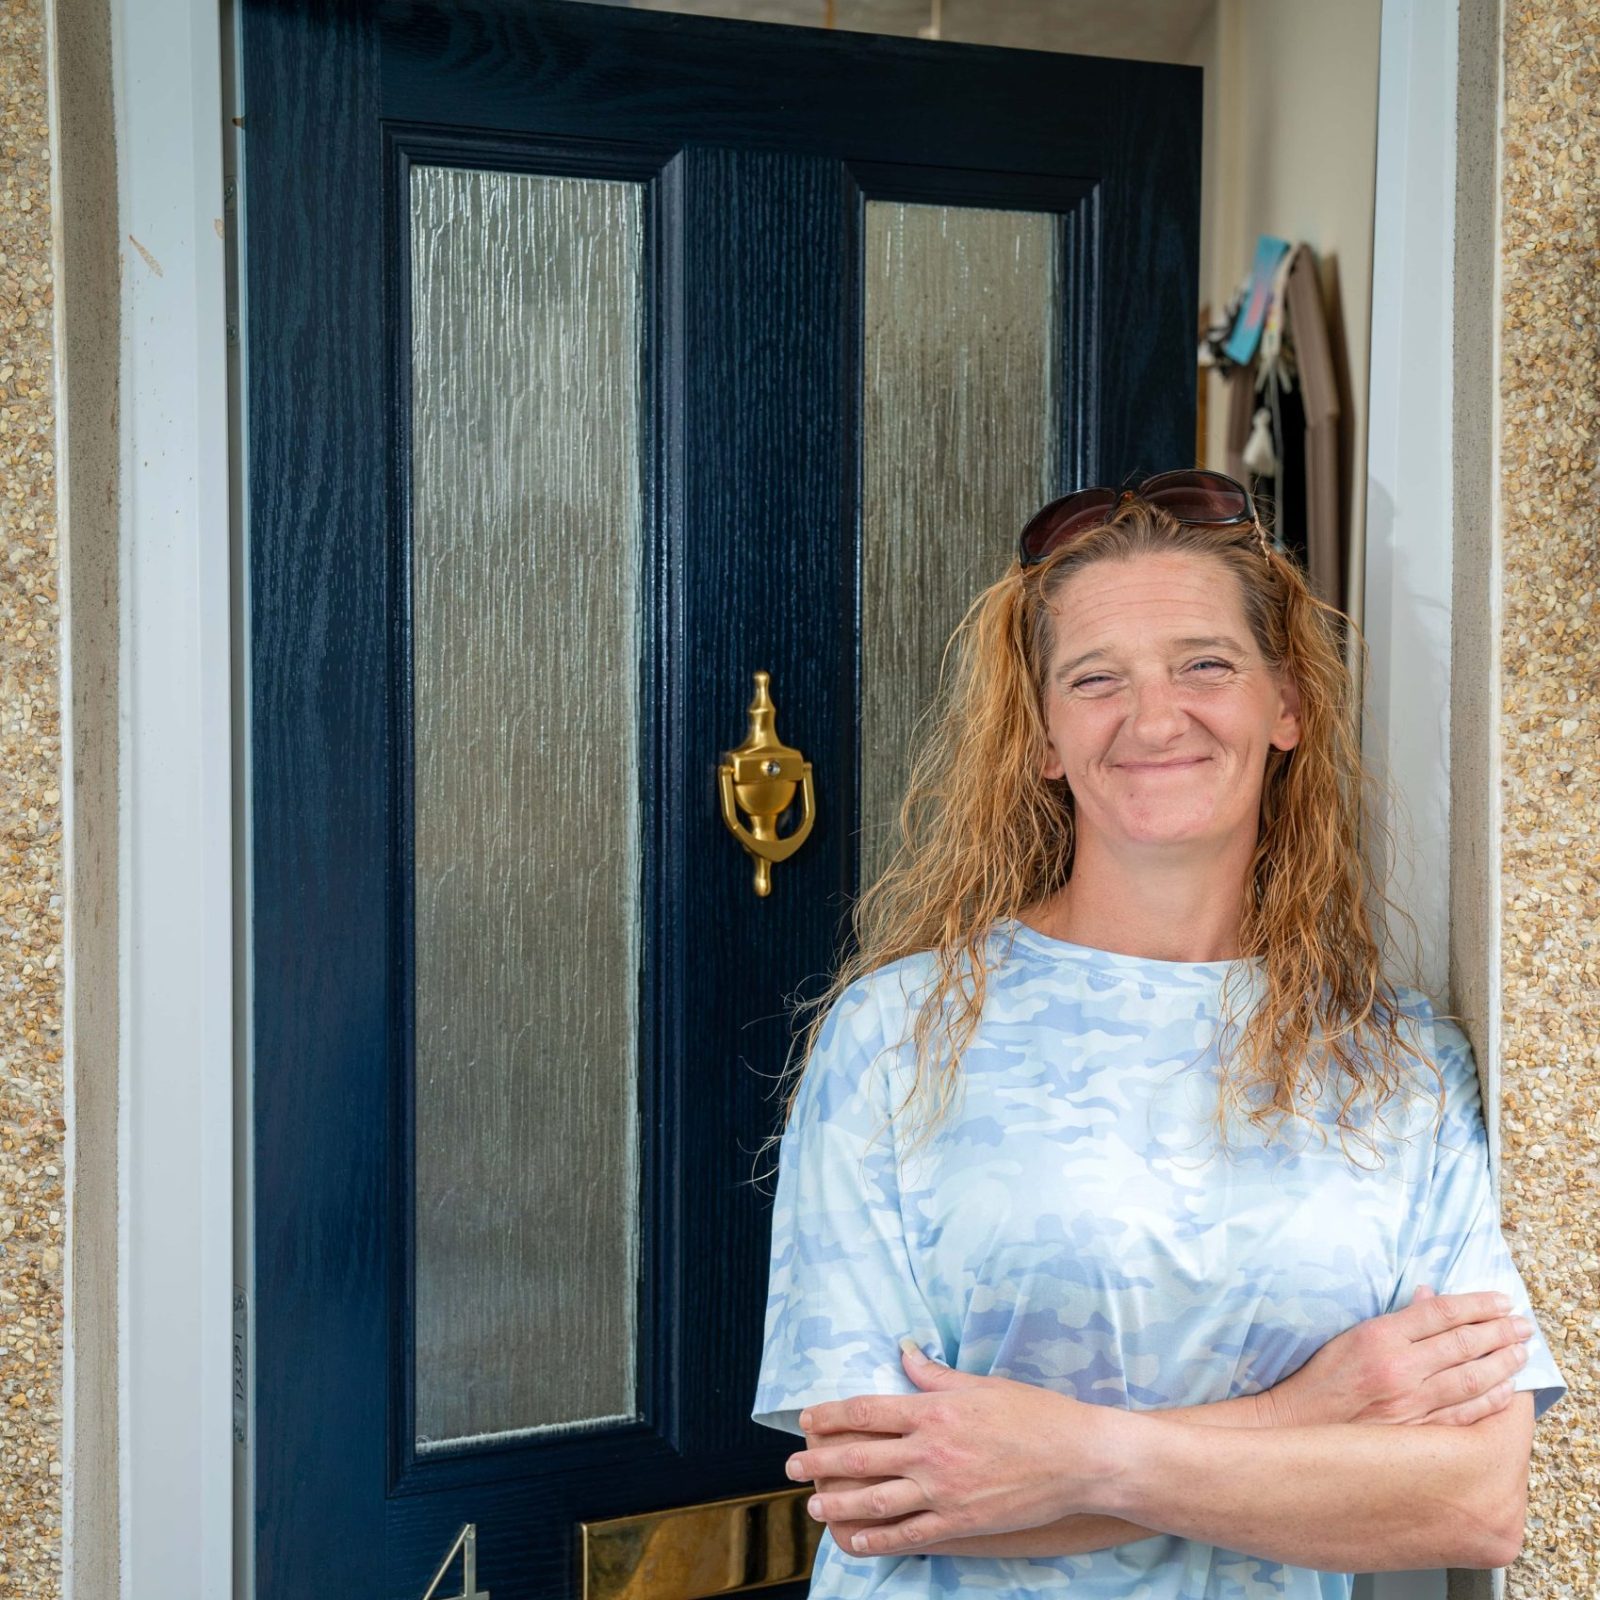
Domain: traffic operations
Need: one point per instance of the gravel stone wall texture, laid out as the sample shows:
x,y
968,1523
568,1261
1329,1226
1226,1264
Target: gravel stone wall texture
x,y
32,1125
1550,752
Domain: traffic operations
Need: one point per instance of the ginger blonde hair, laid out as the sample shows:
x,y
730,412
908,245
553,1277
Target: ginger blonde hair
x,y
983,836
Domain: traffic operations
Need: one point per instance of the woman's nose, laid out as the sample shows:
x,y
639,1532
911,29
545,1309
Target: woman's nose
x,y
1157,714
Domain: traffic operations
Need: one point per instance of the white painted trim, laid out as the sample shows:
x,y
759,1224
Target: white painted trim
x,y
175,850
1409,489
1409,548
1496,623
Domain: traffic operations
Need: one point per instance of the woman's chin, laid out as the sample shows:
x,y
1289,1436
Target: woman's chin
x,y
1148,832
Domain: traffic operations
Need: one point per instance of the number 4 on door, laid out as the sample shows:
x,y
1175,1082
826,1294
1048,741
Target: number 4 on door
x,y
467,1544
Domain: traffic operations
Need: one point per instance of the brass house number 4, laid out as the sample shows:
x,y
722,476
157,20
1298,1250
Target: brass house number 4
x,y
467,1544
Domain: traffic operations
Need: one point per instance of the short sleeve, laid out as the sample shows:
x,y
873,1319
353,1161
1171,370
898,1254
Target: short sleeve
x,y
1456,1244
841,1294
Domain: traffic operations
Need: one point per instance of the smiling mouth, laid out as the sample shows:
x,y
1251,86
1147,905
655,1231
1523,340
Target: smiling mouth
x,y
1161,766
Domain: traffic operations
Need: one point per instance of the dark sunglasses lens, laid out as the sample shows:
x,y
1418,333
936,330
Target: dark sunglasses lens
x,y
1199,497
1053,525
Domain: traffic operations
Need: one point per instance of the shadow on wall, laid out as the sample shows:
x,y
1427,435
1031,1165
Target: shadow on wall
x,y
1406,722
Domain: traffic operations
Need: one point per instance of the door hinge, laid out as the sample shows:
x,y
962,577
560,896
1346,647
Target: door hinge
x,y
467,1544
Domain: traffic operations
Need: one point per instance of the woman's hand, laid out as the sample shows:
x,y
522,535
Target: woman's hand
x,y
1445,1358
843,1532
968,1455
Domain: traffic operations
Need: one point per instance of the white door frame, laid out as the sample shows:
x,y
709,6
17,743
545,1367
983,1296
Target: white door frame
x,y
181,883
154,1501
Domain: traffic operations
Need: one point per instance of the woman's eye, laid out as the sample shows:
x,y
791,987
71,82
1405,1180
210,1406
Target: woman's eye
x,y
1100,680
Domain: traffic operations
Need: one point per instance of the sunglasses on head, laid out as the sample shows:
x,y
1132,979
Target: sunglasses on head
x,y
1189,495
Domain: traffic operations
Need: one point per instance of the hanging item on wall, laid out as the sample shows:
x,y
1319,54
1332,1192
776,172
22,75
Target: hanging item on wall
x,y
1242,342
1275,358
1264,452
1213,350
1283,419
1323,500
1260,453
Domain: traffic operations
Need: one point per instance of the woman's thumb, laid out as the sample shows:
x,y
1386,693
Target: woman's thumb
x,y
929,1374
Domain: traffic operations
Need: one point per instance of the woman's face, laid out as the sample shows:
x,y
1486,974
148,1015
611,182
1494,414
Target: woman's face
x,y
1158,704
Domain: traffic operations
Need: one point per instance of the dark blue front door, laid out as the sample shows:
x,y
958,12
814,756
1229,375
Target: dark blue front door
x,y
567,332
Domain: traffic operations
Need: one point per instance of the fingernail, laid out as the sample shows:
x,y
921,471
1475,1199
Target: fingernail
x,y
814,1508
1522,1325
911,1347
859,1542
805,1422
792,1466
1522,1354
1503,1302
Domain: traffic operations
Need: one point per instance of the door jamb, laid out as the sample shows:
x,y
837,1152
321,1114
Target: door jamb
x,y
1432,609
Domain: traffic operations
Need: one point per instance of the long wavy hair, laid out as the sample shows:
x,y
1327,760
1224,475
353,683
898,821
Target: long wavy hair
x,y
984,836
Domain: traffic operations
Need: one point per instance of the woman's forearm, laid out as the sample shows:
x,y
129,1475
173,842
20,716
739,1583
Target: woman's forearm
x,y
1339,1497
1077,1535
1354,1378
1336,1497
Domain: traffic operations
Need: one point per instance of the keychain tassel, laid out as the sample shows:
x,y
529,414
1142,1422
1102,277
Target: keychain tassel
x,y
1260,456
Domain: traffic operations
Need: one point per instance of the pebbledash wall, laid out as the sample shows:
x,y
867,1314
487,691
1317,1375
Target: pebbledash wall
x,y
32,1122
1550,750
1543,738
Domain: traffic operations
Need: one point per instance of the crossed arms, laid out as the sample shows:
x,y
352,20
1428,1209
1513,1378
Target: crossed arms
x,y
1397,1446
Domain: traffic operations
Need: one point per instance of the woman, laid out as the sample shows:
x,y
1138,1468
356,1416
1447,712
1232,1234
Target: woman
x,y
1115,1116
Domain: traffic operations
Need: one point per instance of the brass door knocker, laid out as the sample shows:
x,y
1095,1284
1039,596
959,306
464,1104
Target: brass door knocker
x,y
760,778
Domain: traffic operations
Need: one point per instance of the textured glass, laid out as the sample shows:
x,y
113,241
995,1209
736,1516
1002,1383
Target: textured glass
x,y
960,427
525,559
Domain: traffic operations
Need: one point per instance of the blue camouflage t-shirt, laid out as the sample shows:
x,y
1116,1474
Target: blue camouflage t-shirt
x,y
1073,1224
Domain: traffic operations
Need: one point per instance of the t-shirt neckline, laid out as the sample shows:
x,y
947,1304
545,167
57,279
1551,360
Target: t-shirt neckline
x,y
1143,969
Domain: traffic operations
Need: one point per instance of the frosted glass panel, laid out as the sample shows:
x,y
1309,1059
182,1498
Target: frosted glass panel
x,y
525,556
960,427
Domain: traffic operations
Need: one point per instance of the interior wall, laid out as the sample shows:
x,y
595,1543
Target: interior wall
x,y
1292,135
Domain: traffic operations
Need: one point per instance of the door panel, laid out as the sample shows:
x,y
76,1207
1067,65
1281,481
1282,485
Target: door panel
x,y
570,409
